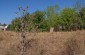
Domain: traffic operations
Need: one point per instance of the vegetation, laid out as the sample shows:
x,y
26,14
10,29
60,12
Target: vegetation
x,y
57,43
67,19
3,24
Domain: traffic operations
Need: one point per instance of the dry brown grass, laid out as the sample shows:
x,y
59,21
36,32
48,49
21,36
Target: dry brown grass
x,y
56,43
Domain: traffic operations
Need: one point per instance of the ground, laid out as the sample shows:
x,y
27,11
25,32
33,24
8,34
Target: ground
x,y
44,43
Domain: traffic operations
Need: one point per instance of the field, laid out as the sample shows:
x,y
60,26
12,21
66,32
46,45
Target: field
x,y
44,43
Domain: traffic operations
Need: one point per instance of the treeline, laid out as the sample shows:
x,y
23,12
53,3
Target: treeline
x,y
3,24
67,19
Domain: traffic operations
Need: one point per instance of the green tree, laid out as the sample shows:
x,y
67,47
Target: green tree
x,y
50,14
70,18
82,15
15,25
39,21
58,26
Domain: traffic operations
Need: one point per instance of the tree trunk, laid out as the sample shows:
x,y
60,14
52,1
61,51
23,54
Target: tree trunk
x,y
52,29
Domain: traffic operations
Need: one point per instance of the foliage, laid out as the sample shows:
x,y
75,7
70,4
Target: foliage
x,y
70,18
50,14
39,21
82,15
66,19
15,25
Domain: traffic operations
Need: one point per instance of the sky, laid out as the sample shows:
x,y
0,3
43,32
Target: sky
x,y
9,7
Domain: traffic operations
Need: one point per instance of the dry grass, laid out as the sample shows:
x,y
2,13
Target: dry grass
x,y
56,43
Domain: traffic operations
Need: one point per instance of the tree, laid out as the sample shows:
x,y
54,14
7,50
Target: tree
x,y
50,14
39,20
82,15
58,23
65,20
70,18
15,25
4,24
